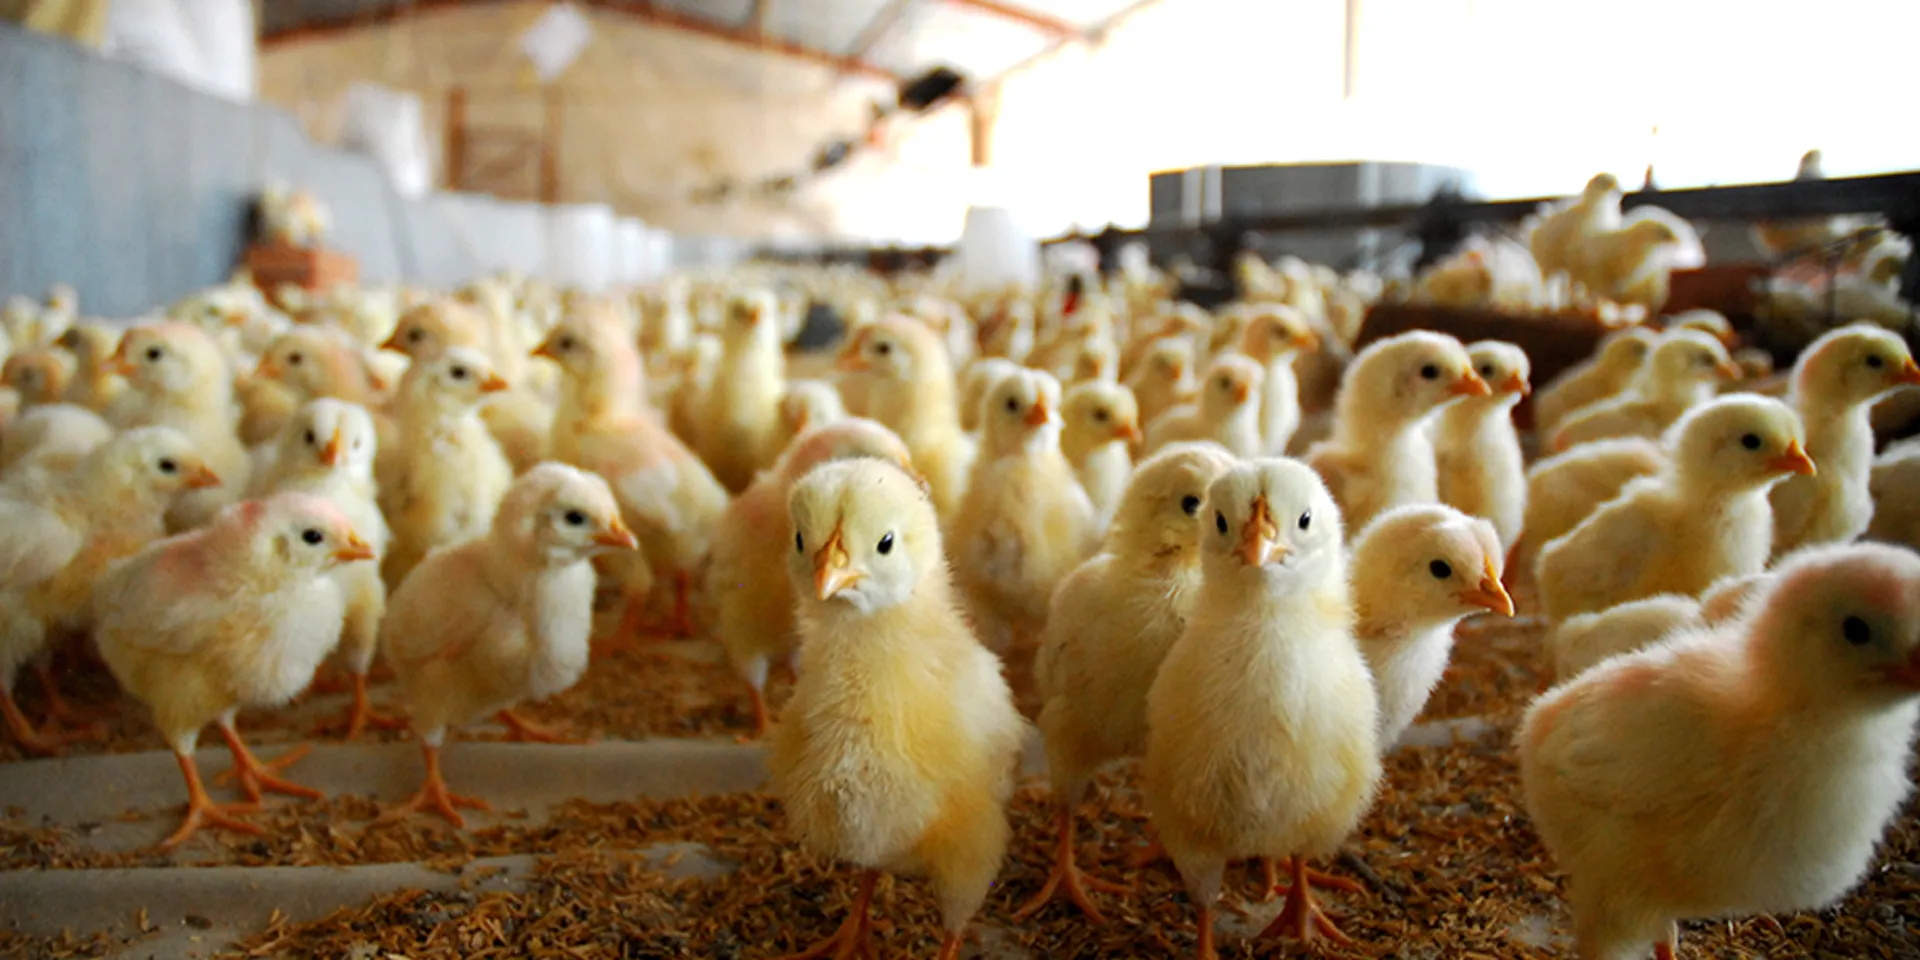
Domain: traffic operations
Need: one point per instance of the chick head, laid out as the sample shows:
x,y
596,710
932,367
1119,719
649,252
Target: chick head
x,y
1022,409
1275,330
562,514
1652,232
864,534
1411,374
296,532
1271,515
752,316
845,440
160,459
979,377
584,343
1709,322
1168,360
1441,563
1689,356
1854,364
1842,623
1095,359
1738,442
169,359
1233,381
1504,367
1602,186
1158,515
425,330
458,379
38,376
328,434
809,403
298,358
894,348
89,342
1098,411
1627,349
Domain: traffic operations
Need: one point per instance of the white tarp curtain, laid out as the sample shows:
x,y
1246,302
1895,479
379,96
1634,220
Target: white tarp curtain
x,y
205,44
387,124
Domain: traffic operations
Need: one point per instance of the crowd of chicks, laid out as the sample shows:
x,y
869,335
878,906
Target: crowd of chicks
x,y
1088,486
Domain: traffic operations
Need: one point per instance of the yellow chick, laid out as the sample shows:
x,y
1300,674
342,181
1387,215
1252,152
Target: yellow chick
x,y
1417,572
500,618
910,388
687,396
1164,379
1275,336
1095,360
1835,383
1679,375
1629,264
747,578
1228,411
1560,232
1262,723
179,378
1589,638
1566,488
1895,488
1751,768
1025,522
667,495
518,417
63,537
1613,366
1481,469
39,375
1713,323
897,751
1110,624
1702,518
313,362
235,614
1380,455
49,439
740,421
804,405
1101,424
975,381
328,451
95,384
453,473
1009,333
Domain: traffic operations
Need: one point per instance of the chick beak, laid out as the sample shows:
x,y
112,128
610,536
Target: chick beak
x,y
1038,414
330,454
1907,673
355,549
1241,391
616,536
1306,340
1260,538
1515,383
397,345
1490,594
852,360
1728,370
236,318
268,369
548,350
202,478
494,383
1130,432
1910,373
833,568
120,363
1470,386
1794,460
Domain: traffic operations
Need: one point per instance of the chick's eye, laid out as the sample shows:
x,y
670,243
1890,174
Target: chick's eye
x,y
886,545
311,439
168,466
1220,522
1190,505
1306,519
1486,370
1013,406
1440,569
293,359
1875,361
458,373
1856,631
883,348
1751,441
415,335
576,519
1430,372
1100,415
566,343
312,538
799,542
153,354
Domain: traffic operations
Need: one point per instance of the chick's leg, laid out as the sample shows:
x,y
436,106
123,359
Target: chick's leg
x,y
1202,875
43,742
359,641
520,730
1301,917
256,776
855,936
201,810
1067,878
57,706
1314,877
434,796
361,714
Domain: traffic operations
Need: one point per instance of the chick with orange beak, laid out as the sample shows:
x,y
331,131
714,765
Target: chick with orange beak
x,y
898,749
1482,471
1380,455
1262,721
328,450
1275,337
1705,516
452,472
1025,522
1228,411
179,377
1102,427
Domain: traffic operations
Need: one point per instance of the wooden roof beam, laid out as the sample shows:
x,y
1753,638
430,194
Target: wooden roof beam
x,y
659,15
1051,26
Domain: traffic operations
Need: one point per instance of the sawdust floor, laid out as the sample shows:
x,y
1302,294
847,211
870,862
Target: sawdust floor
x,y
655,840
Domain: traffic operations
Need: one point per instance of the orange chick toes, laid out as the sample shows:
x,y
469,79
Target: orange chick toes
x,y
202,811
434,797
855,936
257,776
1301,917
1066,878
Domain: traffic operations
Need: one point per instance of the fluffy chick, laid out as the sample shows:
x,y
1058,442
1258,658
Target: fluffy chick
x,y
453,473
1835,383
747,579
50,438
1566,488
178,377
897,751
95,384
1746,769
1679,375
1380,455
909,387
1109,625
1895,487
1263,723
1164,377
1560,232
804,405
519,418
1417,572
1275,336
39,375
1589,638
1025,522
739,424
1702,518
1228,412
235,614
1611,369
1102,423
975,381
1481,469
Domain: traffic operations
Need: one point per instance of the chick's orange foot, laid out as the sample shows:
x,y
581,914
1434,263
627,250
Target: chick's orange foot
x,y
203,812
359,716
1066,878
48,740
257,776
520,730
1301,918
435,798
855,936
